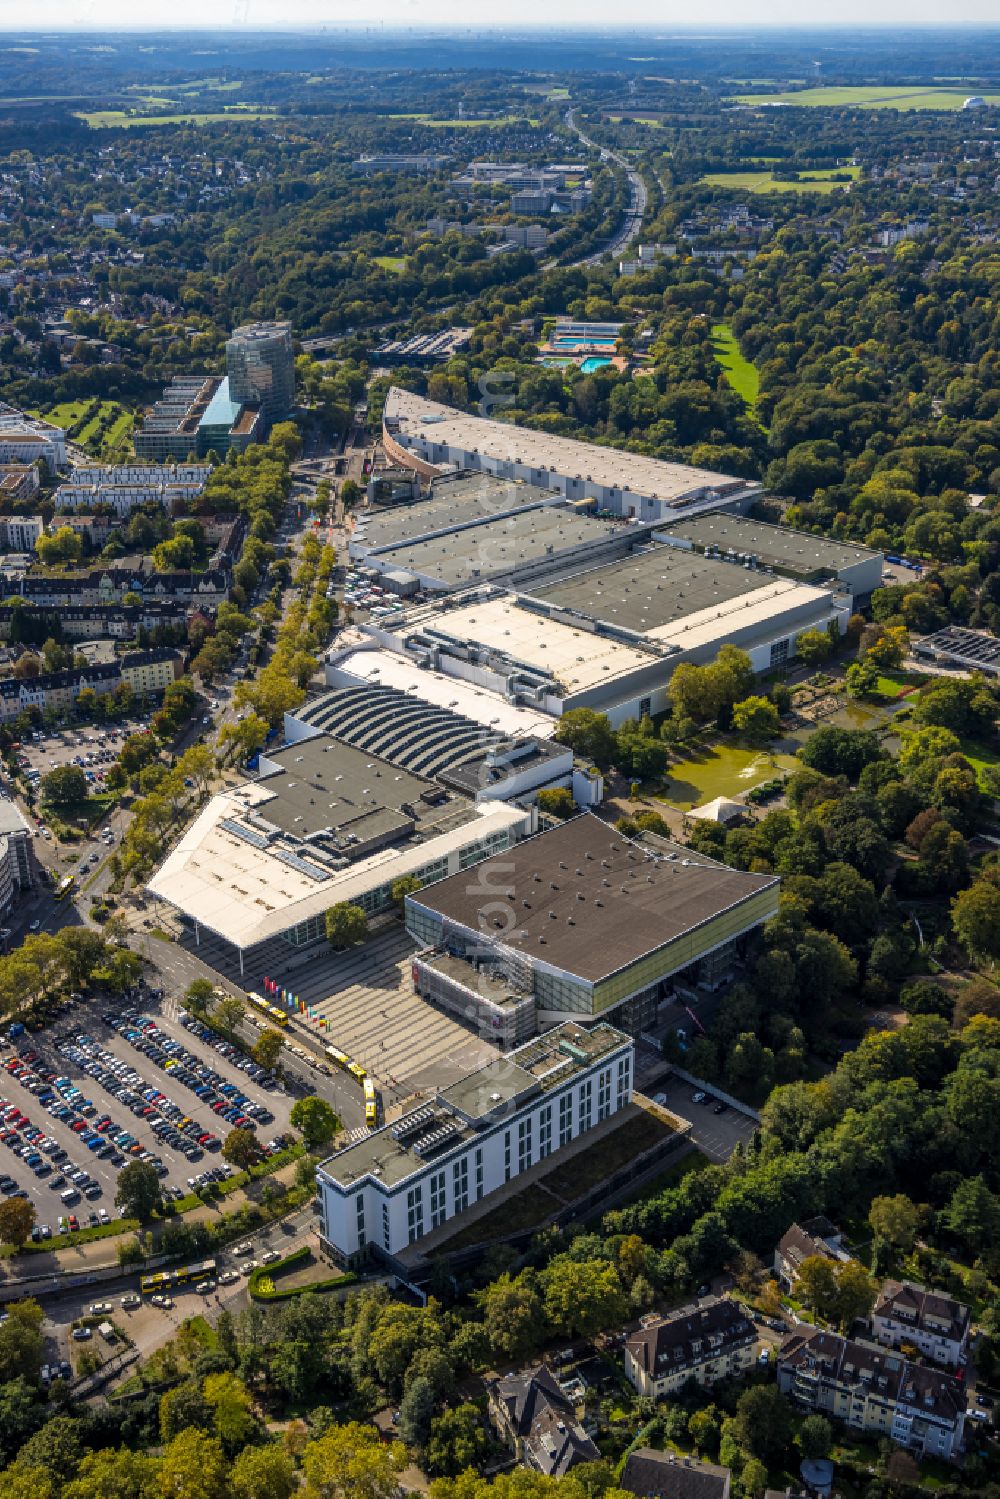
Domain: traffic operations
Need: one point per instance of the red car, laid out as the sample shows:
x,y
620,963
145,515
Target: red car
x,y
78,1126
74,1223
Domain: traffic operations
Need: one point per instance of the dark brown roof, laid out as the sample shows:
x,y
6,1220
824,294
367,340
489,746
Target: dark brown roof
x,y
685,1337
850,1364
545,1420
803,1240
587,900
930,1311
663,1475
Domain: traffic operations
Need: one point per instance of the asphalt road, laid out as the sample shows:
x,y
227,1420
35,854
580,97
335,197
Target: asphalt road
x,y
631,223
149,1327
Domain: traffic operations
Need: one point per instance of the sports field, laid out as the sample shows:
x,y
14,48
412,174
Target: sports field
x,y
880,96
396,264
826,181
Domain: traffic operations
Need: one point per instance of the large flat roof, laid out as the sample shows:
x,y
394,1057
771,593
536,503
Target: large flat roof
x,y
390,669
466,1107
777,546
467,500
584,899
417,417
649,588
332,823
578,658
501,545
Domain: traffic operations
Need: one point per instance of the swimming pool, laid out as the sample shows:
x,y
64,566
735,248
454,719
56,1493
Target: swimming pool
x,y
592,363
576,344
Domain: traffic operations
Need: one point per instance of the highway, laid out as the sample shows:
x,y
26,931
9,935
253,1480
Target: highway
x,y
631,224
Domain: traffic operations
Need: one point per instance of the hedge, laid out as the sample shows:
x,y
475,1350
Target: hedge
x,y
262,1287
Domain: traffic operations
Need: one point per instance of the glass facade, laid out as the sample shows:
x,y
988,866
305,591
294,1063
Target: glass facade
x,y
415,1212
565,1119
524,1144
439,1207
460,1184
604,1093
545,1133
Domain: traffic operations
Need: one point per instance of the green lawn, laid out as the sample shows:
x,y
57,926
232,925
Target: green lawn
x,y
979,755
764,182
68,413
879,96
63,415
394,263
119,431
105,118
741,373
899,684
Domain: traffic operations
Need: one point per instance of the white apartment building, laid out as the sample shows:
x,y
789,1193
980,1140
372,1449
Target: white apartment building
x,y
25,439
21,532
126,488
910,1315
405,1180
712,1340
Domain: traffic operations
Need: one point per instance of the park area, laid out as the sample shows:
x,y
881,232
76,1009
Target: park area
x,y
740,373
99,426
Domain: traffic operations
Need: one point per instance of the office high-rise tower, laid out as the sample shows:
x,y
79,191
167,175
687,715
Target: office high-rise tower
x,y
261,368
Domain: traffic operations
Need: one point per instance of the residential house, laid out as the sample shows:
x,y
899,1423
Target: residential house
x,y
18,481
57,690
20,533
711,1340
803,1241
149,673
666,1475
873,1391
94,621
935,1324
534,1415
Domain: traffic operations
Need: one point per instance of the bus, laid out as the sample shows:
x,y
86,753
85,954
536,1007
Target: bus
x,y
371,1104
167,1280
64,886
337,1057
356,1070
264,1007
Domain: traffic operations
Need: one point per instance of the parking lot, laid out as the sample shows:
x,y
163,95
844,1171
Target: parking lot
x,y
121,1085
90,747
716,1134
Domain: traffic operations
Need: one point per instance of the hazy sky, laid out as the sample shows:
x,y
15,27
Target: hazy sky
x,y
46,14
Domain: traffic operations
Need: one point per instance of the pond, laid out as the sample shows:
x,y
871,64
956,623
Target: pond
x,y
724,770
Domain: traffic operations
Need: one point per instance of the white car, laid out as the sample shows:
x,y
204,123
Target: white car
x,y
101,1308
130,1301
205,1287
270,1258
165,1302
82,1334
245,1248
697,1097
229,1277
